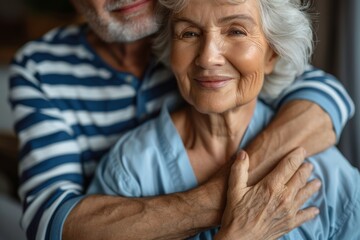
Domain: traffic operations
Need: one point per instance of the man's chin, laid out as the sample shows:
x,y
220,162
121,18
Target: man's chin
x,y
128,38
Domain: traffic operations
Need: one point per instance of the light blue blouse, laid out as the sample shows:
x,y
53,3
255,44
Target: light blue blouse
x,y
151,160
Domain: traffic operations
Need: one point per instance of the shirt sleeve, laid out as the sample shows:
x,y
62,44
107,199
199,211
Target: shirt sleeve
x,y
105,177
323,89
50,170
114,175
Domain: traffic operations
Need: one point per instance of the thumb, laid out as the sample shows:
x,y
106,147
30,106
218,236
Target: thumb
x,y
239,173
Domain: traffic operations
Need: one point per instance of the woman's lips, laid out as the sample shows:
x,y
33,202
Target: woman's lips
x,y
213,82
132,7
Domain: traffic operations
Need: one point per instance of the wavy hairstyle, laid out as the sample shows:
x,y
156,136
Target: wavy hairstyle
x,y
286,26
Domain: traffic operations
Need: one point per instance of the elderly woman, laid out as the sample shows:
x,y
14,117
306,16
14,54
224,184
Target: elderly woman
x,y
224,53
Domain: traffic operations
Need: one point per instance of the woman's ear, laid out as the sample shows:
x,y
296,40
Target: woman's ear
x,y
270,61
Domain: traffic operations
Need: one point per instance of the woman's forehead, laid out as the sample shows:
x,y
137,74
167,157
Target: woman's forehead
x,y
219,9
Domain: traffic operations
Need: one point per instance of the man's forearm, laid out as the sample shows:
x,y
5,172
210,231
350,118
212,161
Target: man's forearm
x,y
298,123
174,216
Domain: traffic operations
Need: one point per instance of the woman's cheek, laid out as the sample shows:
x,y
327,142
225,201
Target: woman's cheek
x,y
249,86
174,59
180,59
246,57
185,88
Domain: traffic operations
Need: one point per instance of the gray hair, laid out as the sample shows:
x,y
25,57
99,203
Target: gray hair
x,y
286,26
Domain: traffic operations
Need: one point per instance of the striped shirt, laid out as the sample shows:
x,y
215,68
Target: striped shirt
x,y
70,107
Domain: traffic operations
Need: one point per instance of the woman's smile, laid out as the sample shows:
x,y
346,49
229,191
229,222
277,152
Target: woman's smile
x,y
213,82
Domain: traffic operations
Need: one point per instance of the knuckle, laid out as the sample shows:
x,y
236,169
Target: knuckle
x,y
272,191
293,162
286,205
266,191
286,201
304,173
278,193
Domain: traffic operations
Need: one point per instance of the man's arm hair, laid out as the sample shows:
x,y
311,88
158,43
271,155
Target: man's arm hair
x,y
173,216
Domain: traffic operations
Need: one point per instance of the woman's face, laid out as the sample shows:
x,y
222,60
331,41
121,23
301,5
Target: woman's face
x,y
219,54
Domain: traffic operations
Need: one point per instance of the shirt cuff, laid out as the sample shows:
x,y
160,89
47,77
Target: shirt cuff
x,y
60,216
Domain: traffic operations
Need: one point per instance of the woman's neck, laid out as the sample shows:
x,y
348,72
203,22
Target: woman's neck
x,y
212,139
131,57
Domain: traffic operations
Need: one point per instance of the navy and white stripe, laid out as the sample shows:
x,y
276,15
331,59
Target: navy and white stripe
x,y
70,107
317,86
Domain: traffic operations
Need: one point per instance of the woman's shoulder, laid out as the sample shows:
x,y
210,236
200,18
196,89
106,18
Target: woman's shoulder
x,y
141,159
145,138
338,199
332,167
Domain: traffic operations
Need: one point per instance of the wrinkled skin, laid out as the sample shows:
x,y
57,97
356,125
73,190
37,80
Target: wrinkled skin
x,y
270,208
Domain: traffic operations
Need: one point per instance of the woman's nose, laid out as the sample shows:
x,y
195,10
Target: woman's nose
x,y
210,53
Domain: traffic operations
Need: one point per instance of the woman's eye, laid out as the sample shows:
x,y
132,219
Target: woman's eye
x,y
189,35
237,32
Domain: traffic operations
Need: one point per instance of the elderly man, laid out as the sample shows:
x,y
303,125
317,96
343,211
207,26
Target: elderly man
x,y
75,91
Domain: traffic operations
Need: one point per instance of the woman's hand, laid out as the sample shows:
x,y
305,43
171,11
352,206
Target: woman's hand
x,y
271,208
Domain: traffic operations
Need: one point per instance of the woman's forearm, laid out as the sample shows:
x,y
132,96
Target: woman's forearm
x,y
298,123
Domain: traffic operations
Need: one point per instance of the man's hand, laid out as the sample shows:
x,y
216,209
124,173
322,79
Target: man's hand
x,y
298,123
271,208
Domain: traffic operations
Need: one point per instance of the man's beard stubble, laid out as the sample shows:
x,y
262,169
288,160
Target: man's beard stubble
x,y
131,28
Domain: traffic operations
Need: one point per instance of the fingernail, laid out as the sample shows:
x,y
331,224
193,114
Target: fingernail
x,y
318,183
316,211
242,155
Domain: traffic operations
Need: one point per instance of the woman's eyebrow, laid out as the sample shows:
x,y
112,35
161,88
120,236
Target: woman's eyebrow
x,y
182,19
222,20
230,18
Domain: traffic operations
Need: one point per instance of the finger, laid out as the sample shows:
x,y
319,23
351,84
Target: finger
x,y
305,215
286,167
300,178
306,192
239,171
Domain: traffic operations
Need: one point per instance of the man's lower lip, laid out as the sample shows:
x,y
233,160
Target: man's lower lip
x,y
133,7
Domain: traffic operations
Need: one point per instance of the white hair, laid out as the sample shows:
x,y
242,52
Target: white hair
x,y
286,26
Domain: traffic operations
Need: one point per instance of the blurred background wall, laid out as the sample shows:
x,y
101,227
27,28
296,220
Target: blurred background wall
x,y
21,21
338,52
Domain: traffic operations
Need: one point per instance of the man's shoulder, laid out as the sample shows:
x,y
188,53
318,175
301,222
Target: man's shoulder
x,y
64,34
55,42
